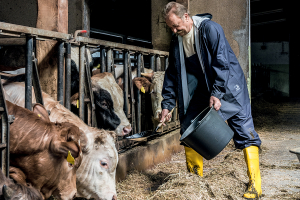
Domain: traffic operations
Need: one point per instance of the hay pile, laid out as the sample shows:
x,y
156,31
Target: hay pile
x,y
224,178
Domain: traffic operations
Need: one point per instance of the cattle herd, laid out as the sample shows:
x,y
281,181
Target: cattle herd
x,y
58,154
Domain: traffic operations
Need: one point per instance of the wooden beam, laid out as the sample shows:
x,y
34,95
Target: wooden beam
x,y
52,15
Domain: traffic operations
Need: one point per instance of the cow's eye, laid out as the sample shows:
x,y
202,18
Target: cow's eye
x,y
104,104
104,164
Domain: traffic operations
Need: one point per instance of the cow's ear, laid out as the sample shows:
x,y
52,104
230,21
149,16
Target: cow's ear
x,y
40,110
17,175
74,99
71,135
142,82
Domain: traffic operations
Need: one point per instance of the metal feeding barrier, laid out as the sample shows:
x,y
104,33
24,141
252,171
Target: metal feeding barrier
x,y
110,53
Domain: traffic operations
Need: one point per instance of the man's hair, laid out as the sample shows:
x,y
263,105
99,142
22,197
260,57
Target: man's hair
x,y
176,8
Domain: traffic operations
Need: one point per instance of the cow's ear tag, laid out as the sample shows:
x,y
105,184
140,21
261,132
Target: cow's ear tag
x,y
39,115
70,158
77,104
142,89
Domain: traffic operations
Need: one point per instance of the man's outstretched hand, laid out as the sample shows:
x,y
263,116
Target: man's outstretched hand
x,y
164,117
216,102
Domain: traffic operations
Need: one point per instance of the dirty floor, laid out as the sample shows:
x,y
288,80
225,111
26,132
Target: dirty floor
x,y
225,176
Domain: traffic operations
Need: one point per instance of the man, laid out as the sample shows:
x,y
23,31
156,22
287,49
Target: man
x,y
203,71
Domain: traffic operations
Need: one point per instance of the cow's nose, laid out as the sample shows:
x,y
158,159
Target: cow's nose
x,y
74,196
126,130
114,197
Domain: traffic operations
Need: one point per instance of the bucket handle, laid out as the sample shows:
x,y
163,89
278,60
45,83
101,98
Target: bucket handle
x,y
196,117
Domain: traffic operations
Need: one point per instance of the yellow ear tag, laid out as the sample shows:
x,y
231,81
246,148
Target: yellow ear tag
x,y
77,103
143,89
98,66
70,158
39,115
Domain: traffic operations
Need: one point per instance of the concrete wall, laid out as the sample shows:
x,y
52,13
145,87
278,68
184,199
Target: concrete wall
x,y
161,33
19,12
274,56
233,16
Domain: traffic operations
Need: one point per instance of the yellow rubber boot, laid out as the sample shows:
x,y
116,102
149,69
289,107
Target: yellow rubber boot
x,y
252,160
194,161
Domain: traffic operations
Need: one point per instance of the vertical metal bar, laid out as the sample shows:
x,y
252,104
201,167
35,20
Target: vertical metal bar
x,y
102,67
158,63
132,101
28,72
81,81
152,63
166,62
138,96
68,76
126,57
36,82
4,133
60,73
109,58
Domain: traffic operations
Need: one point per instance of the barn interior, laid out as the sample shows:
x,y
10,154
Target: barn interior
x,y
262,33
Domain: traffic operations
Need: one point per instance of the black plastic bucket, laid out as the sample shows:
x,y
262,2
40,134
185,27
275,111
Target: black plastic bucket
x,y
208,134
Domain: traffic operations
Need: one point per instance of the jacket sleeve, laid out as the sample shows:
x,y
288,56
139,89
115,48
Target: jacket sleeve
x,y
216,43
169,86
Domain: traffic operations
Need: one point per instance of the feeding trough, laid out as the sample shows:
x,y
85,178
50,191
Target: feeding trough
x,y
297,152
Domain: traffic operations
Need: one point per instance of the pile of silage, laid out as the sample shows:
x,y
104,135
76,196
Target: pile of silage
x,y
225,179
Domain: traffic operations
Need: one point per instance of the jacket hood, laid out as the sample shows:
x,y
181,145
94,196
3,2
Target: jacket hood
x,y
201,17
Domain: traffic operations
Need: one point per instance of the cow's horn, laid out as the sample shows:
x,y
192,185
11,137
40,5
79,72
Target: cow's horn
x,y
149,75
7,192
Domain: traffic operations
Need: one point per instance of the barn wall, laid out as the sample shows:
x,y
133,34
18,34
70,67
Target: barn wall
x,y
17,12
275,57
232,15
161,34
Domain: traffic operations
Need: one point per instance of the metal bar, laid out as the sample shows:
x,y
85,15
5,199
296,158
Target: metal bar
x,y
81,81
4,133
102,67
33,31
166,62
28,72
114,45
109,59
60,73
36,82
138,96
91,106
68,76
132,101
158,63
126,57
152,63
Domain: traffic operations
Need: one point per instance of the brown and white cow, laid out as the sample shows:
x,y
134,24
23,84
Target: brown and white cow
x,y
153,84
108,100
9,190
39,150
96,175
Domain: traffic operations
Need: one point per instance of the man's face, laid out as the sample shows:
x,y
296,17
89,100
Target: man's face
x,y
178,25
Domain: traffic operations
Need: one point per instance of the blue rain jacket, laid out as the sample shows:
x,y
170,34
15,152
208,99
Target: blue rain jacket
x,y
223,74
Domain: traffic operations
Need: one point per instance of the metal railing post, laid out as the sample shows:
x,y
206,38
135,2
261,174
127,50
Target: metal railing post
x,y
81,81
28,72
102,56
60,73
138,96
67,103
126,58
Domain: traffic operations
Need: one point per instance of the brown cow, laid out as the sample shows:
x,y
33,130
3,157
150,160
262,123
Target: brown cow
x,y
14,191
38,150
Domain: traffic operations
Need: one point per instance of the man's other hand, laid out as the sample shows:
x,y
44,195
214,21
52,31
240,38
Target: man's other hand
x,y
216,102
164,116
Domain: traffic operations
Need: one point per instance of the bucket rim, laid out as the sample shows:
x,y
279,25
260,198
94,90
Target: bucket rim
x,y
184,135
